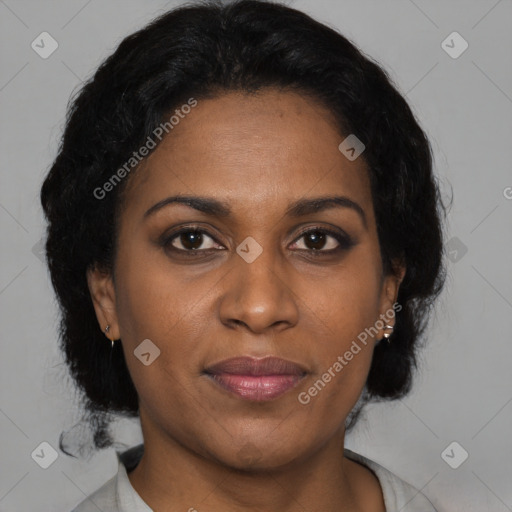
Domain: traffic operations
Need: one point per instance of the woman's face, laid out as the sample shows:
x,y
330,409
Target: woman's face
x,y
260,279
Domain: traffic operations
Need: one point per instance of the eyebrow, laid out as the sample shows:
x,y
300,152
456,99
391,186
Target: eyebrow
x,y
302,207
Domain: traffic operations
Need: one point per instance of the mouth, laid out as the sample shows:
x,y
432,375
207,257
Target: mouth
x,y
254,379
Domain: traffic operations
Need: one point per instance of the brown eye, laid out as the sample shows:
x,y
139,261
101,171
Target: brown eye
x,y
315,240
324,241
190,240
195,242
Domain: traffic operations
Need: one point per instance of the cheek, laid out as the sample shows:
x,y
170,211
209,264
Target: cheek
x,y
345,307
157,304
154,303
343,361
346,302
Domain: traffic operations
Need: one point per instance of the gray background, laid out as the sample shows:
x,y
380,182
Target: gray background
x,y
463,392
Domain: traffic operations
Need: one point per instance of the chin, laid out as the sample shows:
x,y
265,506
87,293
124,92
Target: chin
x,y
255,458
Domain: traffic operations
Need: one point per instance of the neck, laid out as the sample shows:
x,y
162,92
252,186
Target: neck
x,y
170,475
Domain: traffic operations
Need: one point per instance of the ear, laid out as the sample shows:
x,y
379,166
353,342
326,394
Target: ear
x,y
390,287
101,288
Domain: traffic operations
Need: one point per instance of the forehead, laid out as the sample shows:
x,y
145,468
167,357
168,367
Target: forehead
x,y
253,151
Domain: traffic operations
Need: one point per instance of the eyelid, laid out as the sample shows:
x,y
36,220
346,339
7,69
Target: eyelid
x,y
330,231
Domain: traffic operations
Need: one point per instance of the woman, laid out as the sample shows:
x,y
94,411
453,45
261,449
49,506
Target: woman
x,y
245,239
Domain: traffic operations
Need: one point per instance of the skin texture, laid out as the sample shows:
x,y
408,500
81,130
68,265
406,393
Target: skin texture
x,y
205,447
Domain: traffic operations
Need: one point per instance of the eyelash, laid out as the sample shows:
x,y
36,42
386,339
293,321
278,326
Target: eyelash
x,y
344,241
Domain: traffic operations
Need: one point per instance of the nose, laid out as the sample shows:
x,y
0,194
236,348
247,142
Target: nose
x,y
258,295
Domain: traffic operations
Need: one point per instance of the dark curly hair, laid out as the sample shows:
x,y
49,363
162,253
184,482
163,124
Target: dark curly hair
x,y
202,50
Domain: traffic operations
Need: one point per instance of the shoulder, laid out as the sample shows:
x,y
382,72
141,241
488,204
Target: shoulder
x,y
398,494
103,499
117,494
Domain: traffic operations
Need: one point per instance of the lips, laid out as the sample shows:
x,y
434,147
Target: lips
x,y
256,379
257,367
